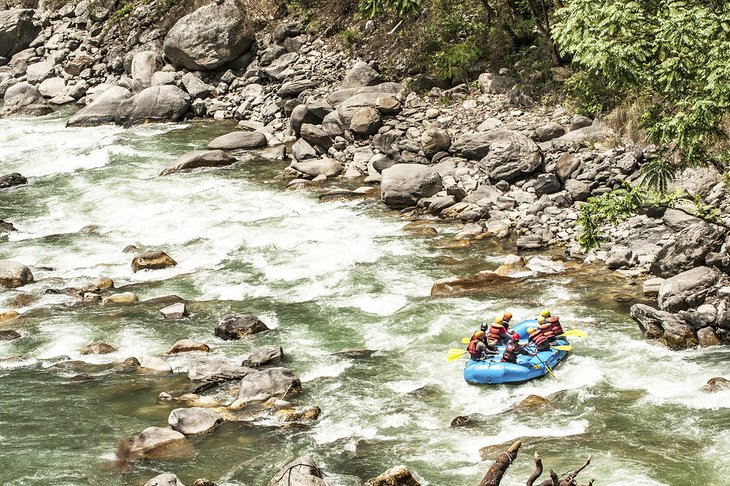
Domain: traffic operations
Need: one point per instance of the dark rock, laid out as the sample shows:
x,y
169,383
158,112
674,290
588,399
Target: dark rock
x,y
707,337
11,180
687,289
17,30
239,139
665,327
716,384
266,355
209,37
316,136
690,249
302,471
403,185
199,159
9,335
236,327
546,184
152,260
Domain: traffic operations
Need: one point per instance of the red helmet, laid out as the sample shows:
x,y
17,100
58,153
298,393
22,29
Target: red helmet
x,y
515,337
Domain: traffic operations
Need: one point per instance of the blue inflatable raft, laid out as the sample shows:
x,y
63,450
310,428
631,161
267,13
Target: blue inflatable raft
x,y
492,371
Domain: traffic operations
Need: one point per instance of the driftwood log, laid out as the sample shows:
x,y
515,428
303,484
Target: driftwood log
x,y
502,463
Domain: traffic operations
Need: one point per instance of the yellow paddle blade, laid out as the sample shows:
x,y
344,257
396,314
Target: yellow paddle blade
x,y
455,354
465,340
575,333
563,348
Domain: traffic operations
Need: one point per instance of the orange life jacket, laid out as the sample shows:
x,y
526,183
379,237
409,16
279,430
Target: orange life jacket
x,y
497,332
472,349
538,338
547,331
555,322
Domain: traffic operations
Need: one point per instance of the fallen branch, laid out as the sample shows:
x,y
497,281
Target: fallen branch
x,y
500,466
538,470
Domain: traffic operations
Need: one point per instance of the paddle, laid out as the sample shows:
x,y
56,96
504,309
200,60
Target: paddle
x,y
562,348
455,354
546,366
574,332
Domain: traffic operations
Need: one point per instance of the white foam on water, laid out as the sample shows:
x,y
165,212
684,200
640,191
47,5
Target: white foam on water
x,y
330,370
377,304
66,343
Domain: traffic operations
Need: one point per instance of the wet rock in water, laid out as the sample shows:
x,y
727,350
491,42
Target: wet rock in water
x,y
532,403
194,420
129,364
6,227
98,348
260,385
716,384
187,345
165,103
203,482
302,471
100,284
102,110
17,30
460,421
209,37
304,414
216,371
512,264
24,99
152,260
688,289
130,249
236,327
120,298
396,476
174,311
355,353
690,249
403,185
239,139
9,335
266,355
484,281
707,337
666,327
198,159
326,167
155,365
14,274
10,180
155,442
166,479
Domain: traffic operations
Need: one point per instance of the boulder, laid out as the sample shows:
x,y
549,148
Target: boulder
x,y
14,275
102,110
302,471
385,103
120,298
716,384
39,71
396,476
144,65
707,337
198,159
10,180
579,121
155,364
292,89
266,355
403,185
214,370
194,420
485,280
690,249
153,104
651,287
619,256
186,346
299,116
366,121
163,77
434,140
153,441
98,348
666,327
236,327
301,150
195,86
578,190
546,184
152,260
316,136
687,289
260,385
24,99
303,414
52,87
239,139
165,479
321,167
495,83
505,154
17,30
336,98
209,37
549,131
78,64
174,311
532,403
583,137
566,164
360,74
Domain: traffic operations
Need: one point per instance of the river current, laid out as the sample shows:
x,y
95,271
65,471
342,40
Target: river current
x,y
327,276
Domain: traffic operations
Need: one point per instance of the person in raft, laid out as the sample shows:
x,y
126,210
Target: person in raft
x,y
513,349
497,332
478,349
538,339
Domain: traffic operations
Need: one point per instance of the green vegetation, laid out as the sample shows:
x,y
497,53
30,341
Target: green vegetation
x,y
372,8
125,9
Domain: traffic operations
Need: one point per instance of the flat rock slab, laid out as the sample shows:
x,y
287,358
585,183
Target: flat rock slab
x,y
199,159
216,371
239,139
194,420
154,441
174,311
188,345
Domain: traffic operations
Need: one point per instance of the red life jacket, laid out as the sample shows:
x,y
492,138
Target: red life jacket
x,y
472,349
547,331
496,332
510,353
538,338
555,323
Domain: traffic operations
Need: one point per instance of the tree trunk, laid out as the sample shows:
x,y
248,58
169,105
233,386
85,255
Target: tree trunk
x,y
500,466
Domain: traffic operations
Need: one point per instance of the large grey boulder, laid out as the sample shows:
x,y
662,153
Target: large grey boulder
x,y
52,87
239,139
102,110
14,274
153,441
320,167
235,327
165,479
302,471
194,420
403,185
264,356
198,159
385,103
360,74
687,289
505,154
38,71
24,99
366,122
195,86
689,250
664,326
583,137
144,65
209,37
578,190
215,370
17,31
316,136
153,104
260,385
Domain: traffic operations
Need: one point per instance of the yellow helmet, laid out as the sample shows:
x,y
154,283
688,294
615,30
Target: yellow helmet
x,y
545,313
498,320
530,330
541,320
507,316
479,334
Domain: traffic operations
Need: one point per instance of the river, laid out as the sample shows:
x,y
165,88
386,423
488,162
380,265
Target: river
x,y
328,277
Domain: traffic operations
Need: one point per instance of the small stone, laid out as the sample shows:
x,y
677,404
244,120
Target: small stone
x,y
9,335
397,476
236,327
98,348
121,298
155,364
174,311
152,260
264,356
187,345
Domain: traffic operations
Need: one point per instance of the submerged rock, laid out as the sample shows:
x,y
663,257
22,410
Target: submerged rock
x,y
186,346
716,384
236,327
304,414
198,159
396,476
152,260
165,479
532,403
484,281
194,420
14,274
302,471
155,442
10,180
9,335
98,348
